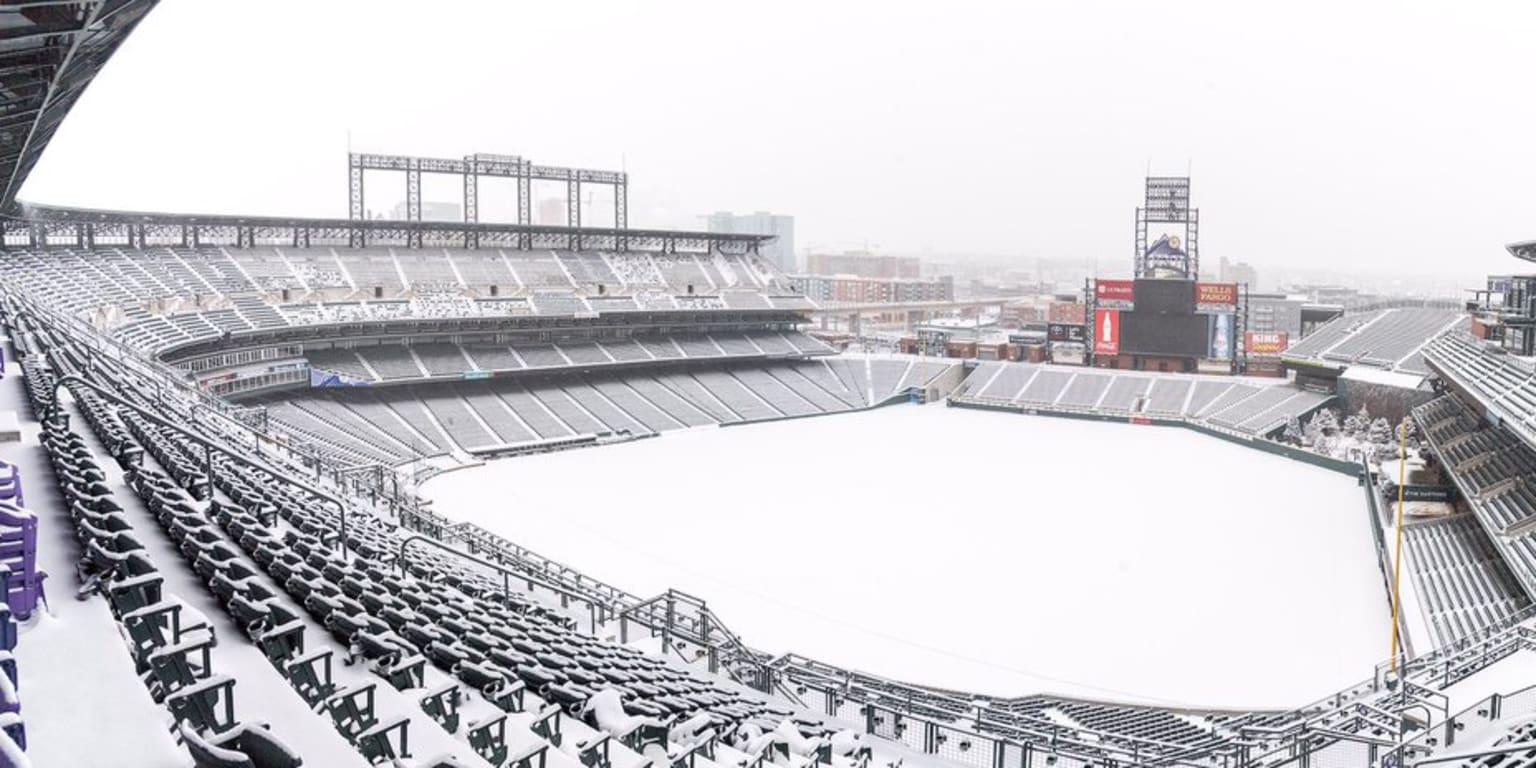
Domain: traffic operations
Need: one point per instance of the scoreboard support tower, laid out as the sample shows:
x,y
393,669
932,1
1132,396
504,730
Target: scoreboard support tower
x,y
1167,202
471,168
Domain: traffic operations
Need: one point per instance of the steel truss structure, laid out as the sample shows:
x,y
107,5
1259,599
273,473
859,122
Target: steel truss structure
x,y
43,226
50,50
471,168
1167,202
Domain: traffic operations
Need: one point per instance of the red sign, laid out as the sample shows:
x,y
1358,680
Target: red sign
x,y
1120,294
217,378
1215,293
1106,332
1266,342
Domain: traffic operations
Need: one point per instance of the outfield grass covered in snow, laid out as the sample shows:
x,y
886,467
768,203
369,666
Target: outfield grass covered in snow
x,y
976,550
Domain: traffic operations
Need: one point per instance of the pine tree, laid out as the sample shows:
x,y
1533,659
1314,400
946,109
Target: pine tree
x,y
1352,426
1327,422
1292,434
1381,432
1311,431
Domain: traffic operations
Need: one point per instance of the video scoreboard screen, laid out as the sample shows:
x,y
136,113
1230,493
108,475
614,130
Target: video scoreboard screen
x,y
1152,333
1167,297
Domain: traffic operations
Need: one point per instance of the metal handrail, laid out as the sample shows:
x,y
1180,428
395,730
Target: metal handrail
x,y
208,445
541,564
1462,758
1486,704
506,576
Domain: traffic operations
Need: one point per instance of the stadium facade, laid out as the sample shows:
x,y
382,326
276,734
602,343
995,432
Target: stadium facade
x,y
222,403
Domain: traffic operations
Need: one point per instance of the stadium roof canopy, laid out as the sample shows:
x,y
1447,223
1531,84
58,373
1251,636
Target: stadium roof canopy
x,y
1525,250
50,51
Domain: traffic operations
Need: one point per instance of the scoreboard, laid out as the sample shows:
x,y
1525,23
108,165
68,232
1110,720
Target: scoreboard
x,y
1165,317
1165,297
1152,333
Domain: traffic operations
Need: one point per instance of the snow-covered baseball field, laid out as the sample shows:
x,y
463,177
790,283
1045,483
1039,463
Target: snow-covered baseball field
x,y
992,552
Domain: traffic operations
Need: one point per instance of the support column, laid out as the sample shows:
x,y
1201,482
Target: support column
x,y
621,204
355,209
471,203
524,203
413,200
471,196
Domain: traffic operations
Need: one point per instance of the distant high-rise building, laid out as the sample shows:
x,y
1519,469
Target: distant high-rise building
x,y
779,251
1275,313
873,290
1238,272
863,264
431,210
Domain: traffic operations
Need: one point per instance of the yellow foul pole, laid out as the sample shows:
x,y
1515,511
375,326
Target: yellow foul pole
x,y
1397,568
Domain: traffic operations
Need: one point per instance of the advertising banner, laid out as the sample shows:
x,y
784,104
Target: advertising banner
x,y
218,378
1266,342
1114,294
1426,493
1220,347
1106,332
1215,297
1066,332
319,378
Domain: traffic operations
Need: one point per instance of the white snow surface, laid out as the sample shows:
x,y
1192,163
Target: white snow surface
x,y
996,553
1371,375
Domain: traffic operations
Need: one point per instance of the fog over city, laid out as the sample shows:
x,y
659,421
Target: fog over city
x,y
1387,138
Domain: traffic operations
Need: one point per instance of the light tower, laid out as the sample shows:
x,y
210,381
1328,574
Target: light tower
x,y
1176,252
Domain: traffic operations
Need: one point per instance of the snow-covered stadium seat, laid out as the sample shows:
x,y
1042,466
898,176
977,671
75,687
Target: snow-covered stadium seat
x,y
244,746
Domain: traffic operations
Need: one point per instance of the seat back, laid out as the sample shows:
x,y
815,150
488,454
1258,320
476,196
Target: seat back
x,y
489,739
352,710
173,670
208,755
207,706
442,705
264,749
310,675
547,725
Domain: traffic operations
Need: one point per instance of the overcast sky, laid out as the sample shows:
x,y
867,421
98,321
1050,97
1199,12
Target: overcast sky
x,y
1372,136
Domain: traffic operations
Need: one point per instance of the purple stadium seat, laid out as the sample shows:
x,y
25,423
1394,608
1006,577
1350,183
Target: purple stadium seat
x,y
10,484
13,741
18,560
